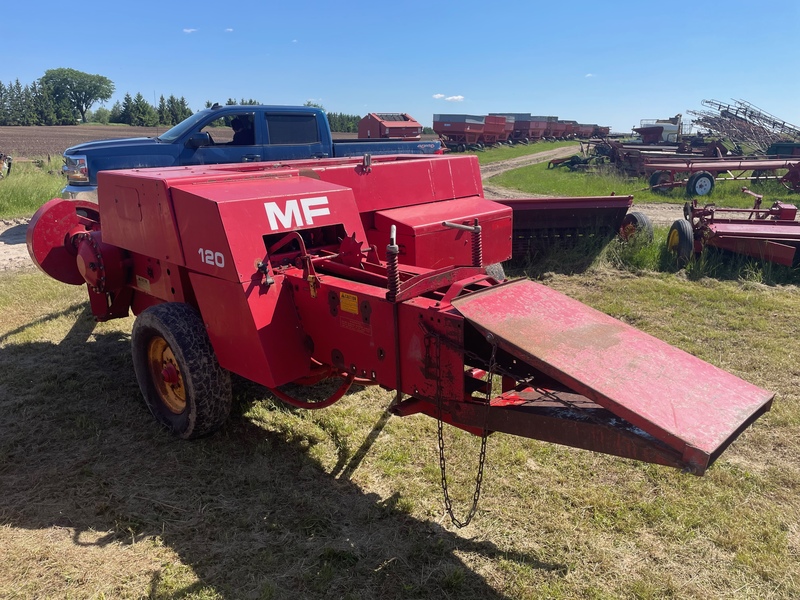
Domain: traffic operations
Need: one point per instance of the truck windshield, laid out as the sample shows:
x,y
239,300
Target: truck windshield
x,y
170,135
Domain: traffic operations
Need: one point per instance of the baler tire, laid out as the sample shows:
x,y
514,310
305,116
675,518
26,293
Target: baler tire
x,y
680,241
172,336
497,271
700,184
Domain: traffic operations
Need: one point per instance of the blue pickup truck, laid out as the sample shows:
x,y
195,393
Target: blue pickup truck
x,y
226,134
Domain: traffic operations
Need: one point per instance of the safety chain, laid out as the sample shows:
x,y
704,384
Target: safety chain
x,y
481,459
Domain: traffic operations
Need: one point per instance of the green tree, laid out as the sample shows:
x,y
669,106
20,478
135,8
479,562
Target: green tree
x,y
3,104
142,114
126,114
178,109
116,113
102,115
43,106
81,89
164,117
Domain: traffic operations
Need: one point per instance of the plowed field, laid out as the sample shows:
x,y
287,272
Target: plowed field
x,y
29,142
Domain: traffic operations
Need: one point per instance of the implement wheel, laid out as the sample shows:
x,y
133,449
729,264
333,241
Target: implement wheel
x,y
700,184
181,381
680,241
636,225
792,179
657,181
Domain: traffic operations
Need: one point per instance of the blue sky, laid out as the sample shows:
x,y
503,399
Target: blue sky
x,y
611,63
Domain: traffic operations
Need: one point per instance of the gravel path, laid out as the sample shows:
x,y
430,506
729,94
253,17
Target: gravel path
x,y
13,251
660,214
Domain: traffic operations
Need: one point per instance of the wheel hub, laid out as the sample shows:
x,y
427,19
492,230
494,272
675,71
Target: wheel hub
x,y
166,375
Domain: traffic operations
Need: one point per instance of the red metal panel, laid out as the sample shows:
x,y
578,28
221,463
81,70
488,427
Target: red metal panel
x,y
349,325
396,183
137,217
686,403
229,219
254,330
431,351
425,242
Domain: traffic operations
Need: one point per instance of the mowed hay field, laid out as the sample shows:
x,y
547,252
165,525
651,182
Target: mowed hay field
x,y
98,501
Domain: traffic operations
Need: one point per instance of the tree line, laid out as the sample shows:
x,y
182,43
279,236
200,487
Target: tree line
x,y
66,96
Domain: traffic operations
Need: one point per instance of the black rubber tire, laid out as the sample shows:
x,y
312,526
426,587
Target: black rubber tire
x,y
497,271
656,178
700,184
680,241
688,207
758,177
205,386
636,225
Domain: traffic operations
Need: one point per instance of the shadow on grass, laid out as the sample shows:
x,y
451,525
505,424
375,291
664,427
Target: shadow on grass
x,y
246,509
566,256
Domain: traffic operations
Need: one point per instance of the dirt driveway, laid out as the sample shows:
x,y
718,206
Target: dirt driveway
x,y
660,214
14,252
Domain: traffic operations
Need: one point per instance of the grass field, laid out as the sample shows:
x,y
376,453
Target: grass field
x,y
499,153
100,502
539,179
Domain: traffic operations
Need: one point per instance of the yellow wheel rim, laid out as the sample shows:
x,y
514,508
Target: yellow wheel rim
x,y
166,375
673,240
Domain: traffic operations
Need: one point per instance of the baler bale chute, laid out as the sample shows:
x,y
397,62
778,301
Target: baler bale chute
x,y
372,271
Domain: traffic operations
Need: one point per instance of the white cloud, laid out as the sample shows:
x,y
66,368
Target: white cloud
x,y
188,30
589,75
229,30
438,96
294,41
455,98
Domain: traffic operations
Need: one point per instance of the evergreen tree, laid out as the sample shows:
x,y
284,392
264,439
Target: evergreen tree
x,y
43,105
125,114
3,104
116,113
178,110
164,117
142,114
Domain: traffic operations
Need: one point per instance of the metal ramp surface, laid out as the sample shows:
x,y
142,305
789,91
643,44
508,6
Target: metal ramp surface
x,y
687,404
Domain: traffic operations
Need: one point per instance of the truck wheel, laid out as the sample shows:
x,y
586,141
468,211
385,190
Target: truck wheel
x,y
700,184
636,225
182,383
680,241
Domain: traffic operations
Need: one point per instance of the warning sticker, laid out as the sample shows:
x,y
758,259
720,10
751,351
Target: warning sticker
x,y
348,302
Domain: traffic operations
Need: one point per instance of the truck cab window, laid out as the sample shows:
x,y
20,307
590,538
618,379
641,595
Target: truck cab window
x,y
232,129
292,129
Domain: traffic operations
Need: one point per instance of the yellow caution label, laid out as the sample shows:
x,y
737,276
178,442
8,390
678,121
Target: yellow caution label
x,y
348,302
